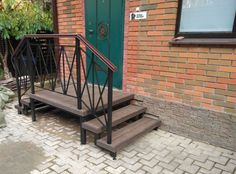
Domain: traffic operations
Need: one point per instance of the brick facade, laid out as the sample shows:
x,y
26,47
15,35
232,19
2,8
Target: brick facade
x,y
202,76
70,16
193,75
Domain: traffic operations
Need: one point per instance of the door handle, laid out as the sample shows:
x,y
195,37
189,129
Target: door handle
x,y
90,31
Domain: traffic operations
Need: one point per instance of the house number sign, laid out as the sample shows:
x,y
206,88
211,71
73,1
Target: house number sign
x,y
138,15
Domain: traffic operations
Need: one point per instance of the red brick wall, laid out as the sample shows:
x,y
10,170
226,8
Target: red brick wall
x,y
70,16
70,21
202,76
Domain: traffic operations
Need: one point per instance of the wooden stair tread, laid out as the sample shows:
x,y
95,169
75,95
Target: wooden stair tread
x,y
69,103
125,135
118,116
25,101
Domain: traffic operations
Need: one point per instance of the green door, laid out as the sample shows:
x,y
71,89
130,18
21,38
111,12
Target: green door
x,y
104,23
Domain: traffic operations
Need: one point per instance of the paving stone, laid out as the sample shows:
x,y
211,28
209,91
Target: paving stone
x,y
232,161
96,161
165,171
224,172
42,167
189,168
131,172
158,152
221,160
171,166
206,165
117,170
146,156
134,167
228,167
201,158
178,171
150,163
154,170
215,171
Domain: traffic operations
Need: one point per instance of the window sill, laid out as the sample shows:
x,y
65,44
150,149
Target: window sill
x,y
205,41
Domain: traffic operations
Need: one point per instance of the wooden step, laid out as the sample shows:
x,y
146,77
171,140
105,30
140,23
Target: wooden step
x,y
69,104
118,116
25,102
125,135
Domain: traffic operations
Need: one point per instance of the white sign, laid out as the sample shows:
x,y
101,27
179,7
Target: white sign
x,y
138,15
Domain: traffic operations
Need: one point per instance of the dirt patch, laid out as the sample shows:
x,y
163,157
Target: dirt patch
x,y
20,157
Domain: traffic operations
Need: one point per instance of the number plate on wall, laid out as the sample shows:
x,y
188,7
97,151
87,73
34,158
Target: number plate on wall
x,y
138,15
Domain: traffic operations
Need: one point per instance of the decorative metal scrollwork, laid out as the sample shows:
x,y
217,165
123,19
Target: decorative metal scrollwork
x,y
103,31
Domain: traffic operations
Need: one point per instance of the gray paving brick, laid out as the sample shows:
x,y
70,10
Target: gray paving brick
x,y
221,160
158,152
215,171
165,159
150,163
224,172
189,168
117,170
200,158
165,171
206,165
229,167
42,167
133,167
155,170
171,166
178,171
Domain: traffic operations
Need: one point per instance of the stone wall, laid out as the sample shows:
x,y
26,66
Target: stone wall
x,y
200,124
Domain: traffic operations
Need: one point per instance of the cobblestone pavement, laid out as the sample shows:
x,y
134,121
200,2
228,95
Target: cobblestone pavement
x,y
57,135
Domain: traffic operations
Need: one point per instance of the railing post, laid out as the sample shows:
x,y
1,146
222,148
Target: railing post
x,y
31,70
93,94
32,78
18,83
109,108
78,73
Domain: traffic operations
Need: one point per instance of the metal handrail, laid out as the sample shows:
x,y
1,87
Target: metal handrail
x,y
99,55
32,69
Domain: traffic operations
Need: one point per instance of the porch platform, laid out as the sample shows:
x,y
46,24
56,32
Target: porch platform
x,y
69,103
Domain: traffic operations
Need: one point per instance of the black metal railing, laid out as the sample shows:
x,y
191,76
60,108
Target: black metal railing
x,y
69,65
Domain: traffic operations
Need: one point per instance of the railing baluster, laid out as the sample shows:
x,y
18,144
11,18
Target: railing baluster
x,y
32,78
93,95
109,108
64,71
31,70
78,73
18,85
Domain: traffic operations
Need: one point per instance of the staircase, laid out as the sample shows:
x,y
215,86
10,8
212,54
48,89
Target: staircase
x,y
61,77
128,123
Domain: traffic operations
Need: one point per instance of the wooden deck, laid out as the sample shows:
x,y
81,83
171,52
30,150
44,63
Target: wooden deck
x,y
69,103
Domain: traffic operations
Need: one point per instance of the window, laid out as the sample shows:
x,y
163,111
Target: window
x,y
206,18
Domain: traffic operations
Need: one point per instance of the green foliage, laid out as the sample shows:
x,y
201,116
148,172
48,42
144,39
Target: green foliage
x,y
20,17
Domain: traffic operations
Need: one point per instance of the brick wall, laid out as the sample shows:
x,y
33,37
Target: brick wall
x,y
201,76
191,88
70,16
70,21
